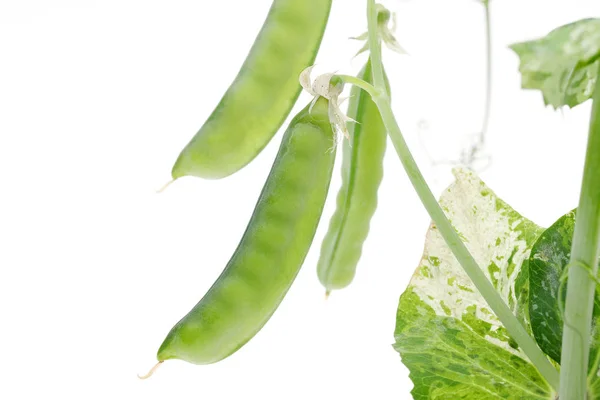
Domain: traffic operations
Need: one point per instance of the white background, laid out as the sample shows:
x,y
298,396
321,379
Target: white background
x,y
97,98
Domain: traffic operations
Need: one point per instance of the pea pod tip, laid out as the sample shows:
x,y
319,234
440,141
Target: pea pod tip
x,y
166,185
151,372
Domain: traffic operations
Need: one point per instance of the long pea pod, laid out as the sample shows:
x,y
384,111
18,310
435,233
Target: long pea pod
x,y
362,172
262,94
271,251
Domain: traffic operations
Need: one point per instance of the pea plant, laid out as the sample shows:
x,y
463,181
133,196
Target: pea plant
x,y
498,306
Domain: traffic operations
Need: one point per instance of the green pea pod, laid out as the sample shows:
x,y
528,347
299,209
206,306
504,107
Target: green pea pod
x,y
271,251
262,94
362,171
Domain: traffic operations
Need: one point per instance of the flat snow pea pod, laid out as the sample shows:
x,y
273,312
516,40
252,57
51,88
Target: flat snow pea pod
x,y
362,172
271,251
262,94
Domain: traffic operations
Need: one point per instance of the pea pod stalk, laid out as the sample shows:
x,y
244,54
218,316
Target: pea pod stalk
x,y
271,251
362,172
262,95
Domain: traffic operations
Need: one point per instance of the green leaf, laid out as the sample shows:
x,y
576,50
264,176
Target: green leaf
x,y
563,64
452,343
549,257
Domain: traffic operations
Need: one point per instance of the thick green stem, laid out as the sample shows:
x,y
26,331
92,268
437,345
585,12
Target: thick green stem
x,y
375,46
581,285
510,322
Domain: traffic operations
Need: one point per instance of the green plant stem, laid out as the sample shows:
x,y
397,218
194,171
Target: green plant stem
x,y
468,156
593,370
581,286
488,74
366,86
510,322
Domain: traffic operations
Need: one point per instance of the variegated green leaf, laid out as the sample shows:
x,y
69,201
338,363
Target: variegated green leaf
x,y
563,64
450,340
